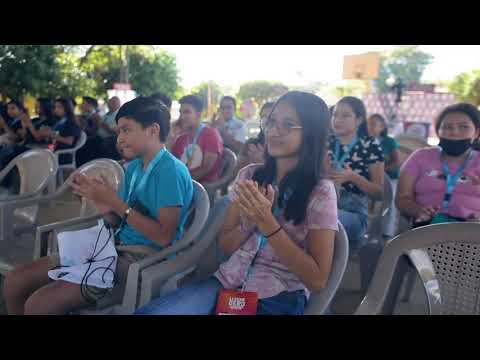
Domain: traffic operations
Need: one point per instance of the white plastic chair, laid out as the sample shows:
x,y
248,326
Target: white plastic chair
x,y
73,151
445,258
319,302
37,170
25,251
226,177
135,279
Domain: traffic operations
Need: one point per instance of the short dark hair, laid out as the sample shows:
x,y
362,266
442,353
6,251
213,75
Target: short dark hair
x,y
165,99
464,108
232,99
380,118
91,101
193,100
146,111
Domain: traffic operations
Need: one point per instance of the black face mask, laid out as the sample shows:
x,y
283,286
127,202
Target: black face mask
x,y
455,147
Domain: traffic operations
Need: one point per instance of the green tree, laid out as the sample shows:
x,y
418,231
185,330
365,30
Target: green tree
x,y
202,91
261,91
466,86
150,70
28,69
404,62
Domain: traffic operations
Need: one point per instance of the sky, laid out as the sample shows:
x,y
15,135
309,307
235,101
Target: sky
x,y
297,65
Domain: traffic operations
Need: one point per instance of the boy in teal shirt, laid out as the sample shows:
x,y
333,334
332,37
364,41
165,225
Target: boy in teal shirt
x,y
153,204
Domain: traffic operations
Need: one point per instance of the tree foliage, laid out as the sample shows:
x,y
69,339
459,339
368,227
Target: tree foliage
x,y
76,70
466,86
261,91
404,62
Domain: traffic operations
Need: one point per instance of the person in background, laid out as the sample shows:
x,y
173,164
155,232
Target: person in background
x,y
232,130
442,184
163,98
12,125
201,146
65,132
108,126
356,167
108,131
279,228
253,151
89,122
377,128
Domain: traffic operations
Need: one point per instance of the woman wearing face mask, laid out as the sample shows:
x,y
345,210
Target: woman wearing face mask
x,y
442,184
356,168
280,226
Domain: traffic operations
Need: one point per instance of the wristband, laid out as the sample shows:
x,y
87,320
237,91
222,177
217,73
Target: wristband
x,y
276,231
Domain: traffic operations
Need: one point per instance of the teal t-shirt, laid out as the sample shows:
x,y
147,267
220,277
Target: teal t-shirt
x,y
388,145
169,184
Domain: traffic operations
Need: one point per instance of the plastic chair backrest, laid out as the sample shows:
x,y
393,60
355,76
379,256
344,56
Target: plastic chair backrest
x,y
80,142
411,142
37,168
199,211
227,173
108,168
319,302
447,260
229,165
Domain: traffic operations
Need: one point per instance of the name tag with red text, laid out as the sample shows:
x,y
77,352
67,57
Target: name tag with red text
x,y
233,302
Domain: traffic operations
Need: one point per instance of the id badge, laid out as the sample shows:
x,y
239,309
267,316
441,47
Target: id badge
x,y
233,302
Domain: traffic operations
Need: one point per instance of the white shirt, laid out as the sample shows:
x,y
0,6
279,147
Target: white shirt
x,y
237,129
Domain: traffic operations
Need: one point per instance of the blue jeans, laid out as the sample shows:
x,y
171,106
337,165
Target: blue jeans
x,y
353,214
201,299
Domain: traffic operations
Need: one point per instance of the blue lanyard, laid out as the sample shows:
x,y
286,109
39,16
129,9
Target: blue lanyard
x,y
143,181
60,123
262,240
452,179
340,161
190,148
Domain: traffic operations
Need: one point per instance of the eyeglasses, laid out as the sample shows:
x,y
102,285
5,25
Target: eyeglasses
x,y
283,129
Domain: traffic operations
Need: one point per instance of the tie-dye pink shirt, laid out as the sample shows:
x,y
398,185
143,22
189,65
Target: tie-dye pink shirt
x,y
269,277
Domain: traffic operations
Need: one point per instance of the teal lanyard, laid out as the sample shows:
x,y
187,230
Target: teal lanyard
x,y
452,180
143,181
191,147
261,239
340,161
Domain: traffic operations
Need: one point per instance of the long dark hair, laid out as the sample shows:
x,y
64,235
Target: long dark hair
x,y
45,108
68,107
315,117
380,118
